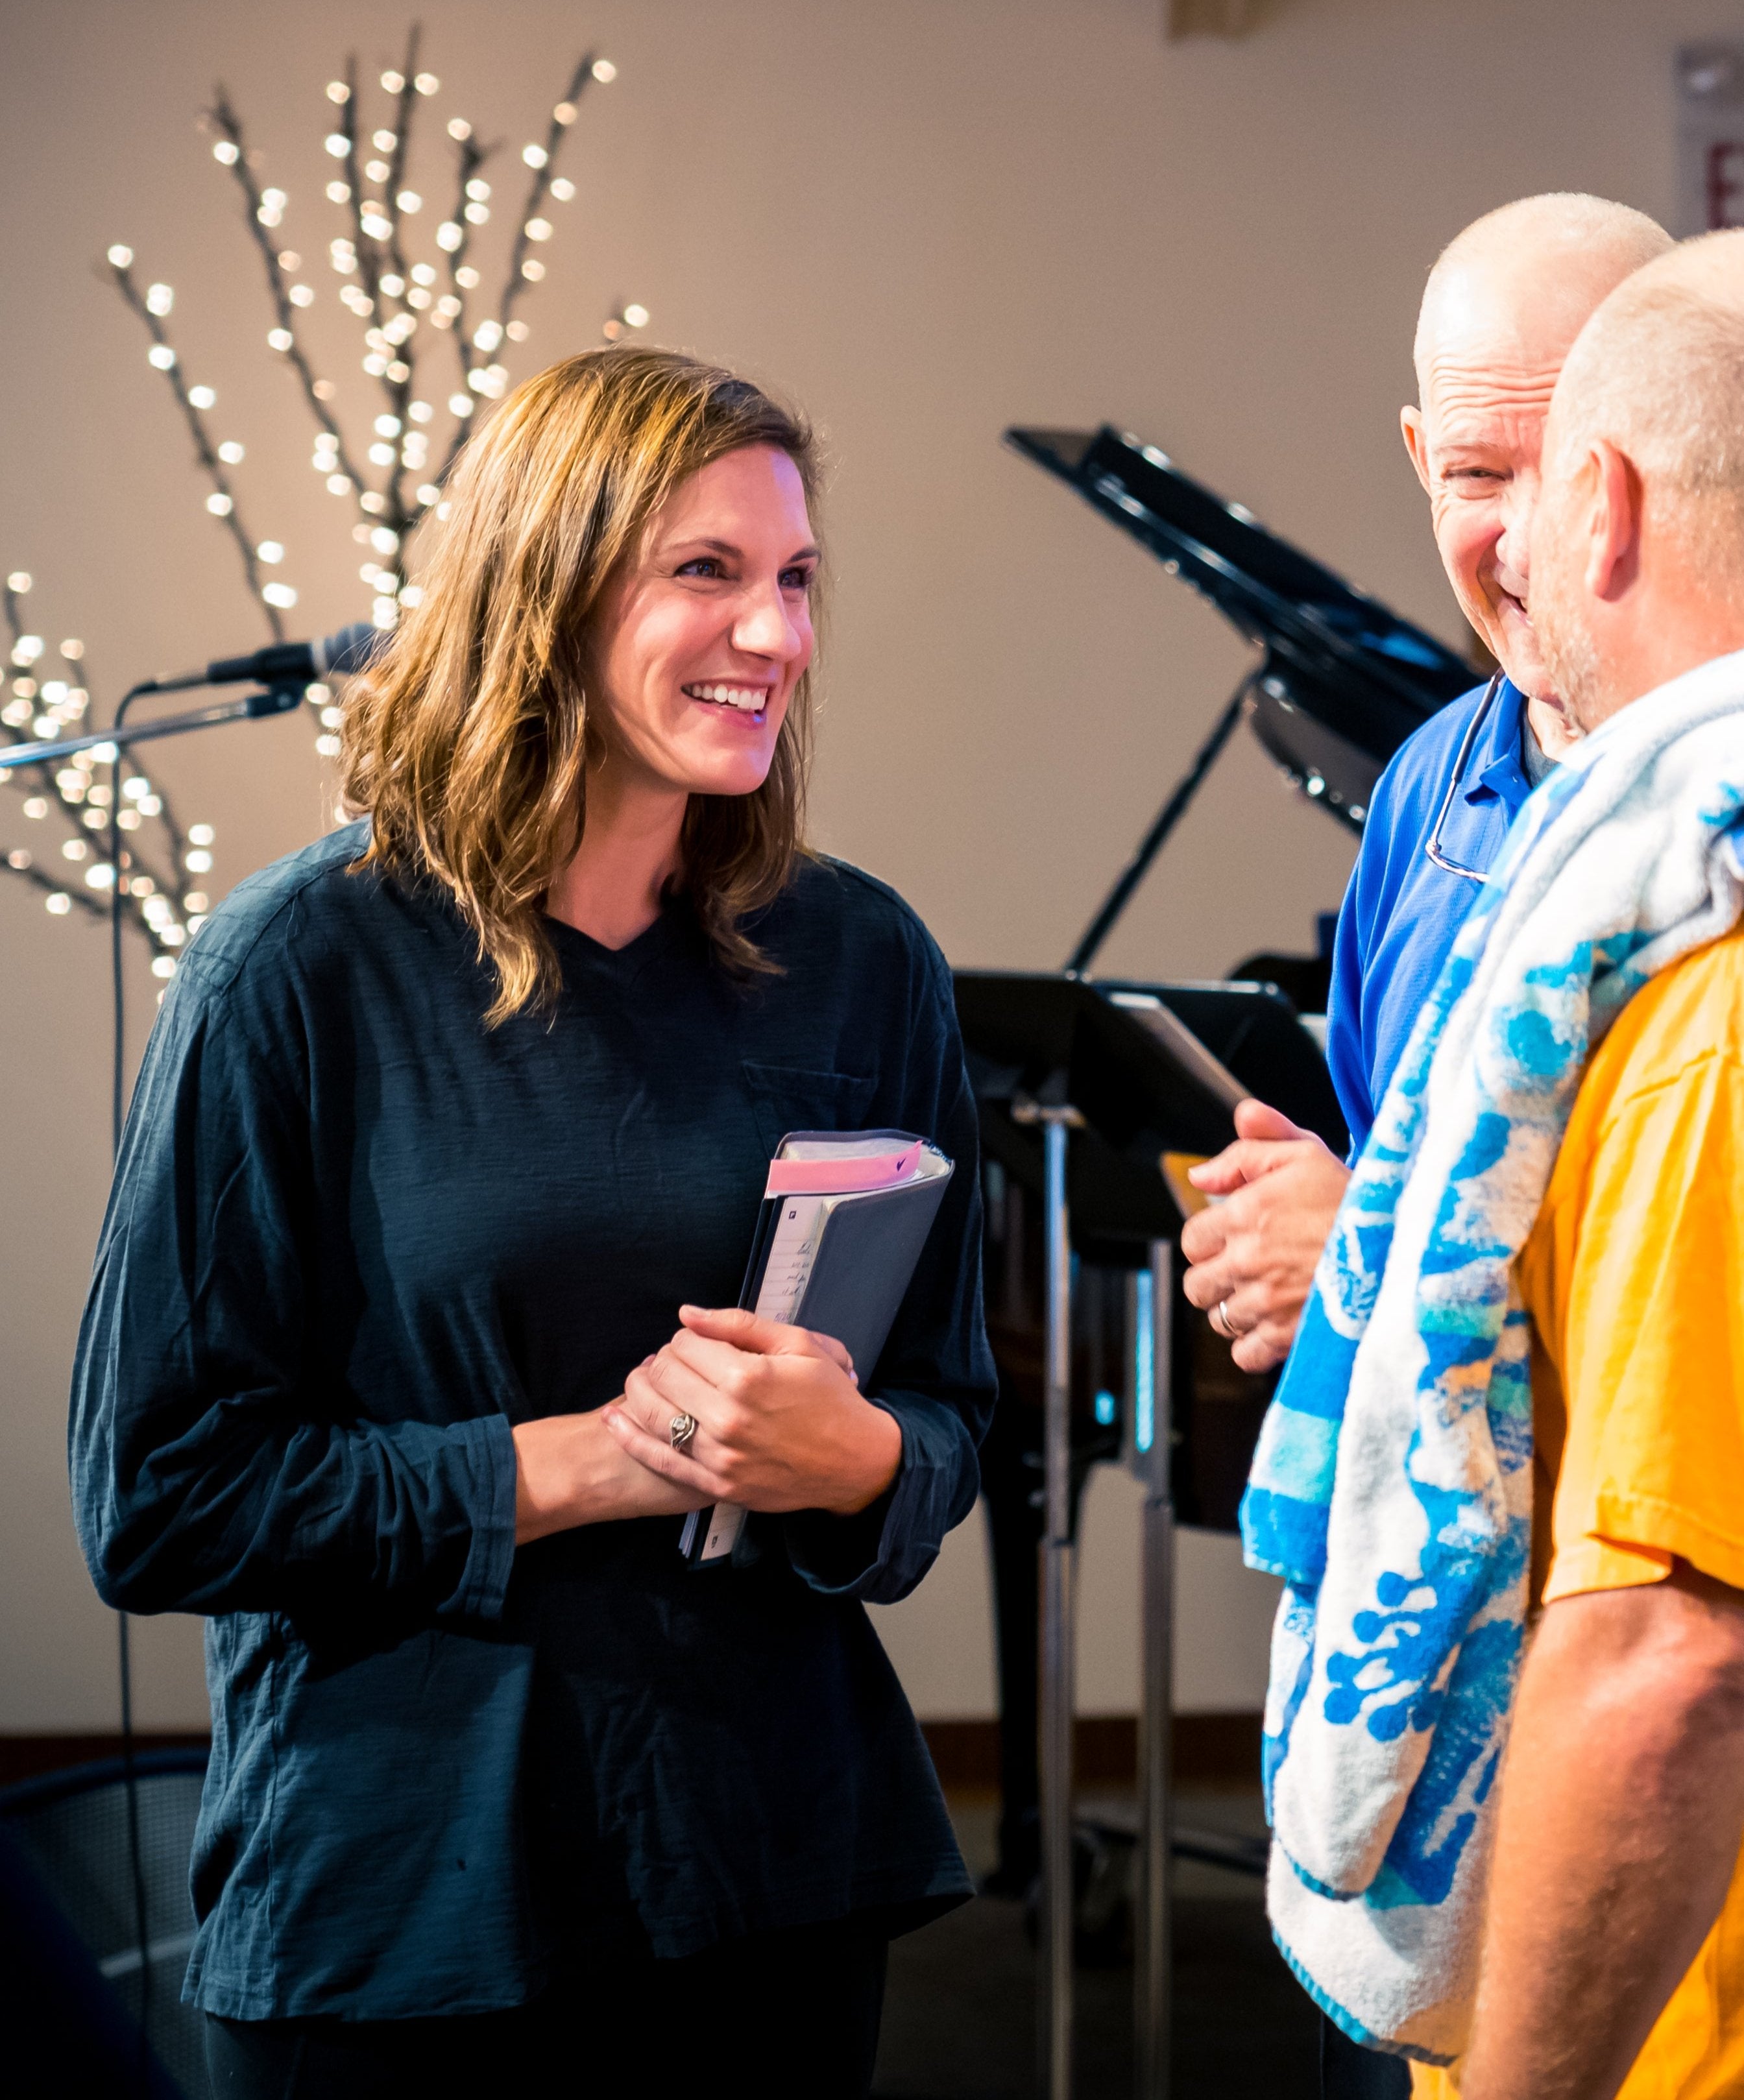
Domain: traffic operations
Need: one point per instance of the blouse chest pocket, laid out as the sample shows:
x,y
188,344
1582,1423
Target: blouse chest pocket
x,y
785,1098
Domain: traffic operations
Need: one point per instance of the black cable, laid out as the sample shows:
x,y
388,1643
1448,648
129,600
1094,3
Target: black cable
x,y
117,1078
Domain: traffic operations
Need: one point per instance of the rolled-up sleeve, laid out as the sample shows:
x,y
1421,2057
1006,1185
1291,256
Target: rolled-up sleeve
x,y
210,1472
936,1376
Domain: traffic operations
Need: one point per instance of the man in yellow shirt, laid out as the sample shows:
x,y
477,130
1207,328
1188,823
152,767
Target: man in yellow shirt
x,y
1614,1926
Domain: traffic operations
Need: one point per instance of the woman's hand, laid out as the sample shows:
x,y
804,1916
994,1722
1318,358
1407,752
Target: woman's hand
x,y
781,1424
571,1470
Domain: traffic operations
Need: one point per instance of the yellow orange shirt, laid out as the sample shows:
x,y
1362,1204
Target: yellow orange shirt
x,y
1634,1276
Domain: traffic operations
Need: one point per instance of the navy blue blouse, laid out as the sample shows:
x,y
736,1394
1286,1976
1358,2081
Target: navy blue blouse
x,y
355,1237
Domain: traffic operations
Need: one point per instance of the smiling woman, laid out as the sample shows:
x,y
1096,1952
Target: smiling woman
x,y
411,1335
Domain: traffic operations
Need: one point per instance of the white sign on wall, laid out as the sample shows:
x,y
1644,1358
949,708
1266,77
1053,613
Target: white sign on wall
x,y
1710,137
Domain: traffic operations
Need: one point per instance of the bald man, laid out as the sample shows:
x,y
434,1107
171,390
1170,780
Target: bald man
x,y
1613,1939
1502,305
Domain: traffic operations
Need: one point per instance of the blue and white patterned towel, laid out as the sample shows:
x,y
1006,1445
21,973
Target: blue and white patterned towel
x,y
1391,1485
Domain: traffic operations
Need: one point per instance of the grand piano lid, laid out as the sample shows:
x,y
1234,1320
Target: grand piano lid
x,y
1345,679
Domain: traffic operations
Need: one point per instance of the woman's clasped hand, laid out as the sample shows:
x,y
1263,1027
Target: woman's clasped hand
x,y
781,1423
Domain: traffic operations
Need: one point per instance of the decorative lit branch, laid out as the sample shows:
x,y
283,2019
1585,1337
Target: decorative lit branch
x,y
396,297
151,307
160,902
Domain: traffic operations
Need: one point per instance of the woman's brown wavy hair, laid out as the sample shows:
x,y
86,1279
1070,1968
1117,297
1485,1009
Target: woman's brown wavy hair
x,y
468,741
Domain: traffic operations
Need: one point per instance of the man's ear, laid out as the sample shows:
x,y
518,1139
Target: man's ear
x,y
1613,489
1416,442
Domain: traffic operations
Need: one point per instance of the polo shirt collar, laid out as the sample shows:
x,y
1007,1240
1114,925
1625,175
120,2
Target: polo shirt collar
x,y
1494,768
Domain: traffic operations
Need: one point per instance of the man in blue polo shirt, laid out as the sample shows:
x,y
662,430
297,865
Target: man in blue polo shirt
x,y
1501,309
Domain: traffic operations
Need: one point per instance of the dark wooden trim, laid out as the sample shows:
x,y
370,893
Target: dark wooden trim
x,y
1210,1748
27,1757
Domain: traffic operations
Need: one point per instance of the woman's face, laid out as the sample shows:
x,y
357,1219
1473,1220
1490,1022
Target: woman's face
x,y
706,634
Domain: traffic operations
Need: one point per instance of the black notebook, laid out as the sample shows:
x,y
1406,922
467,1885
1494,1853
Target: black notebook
x,y
844,1215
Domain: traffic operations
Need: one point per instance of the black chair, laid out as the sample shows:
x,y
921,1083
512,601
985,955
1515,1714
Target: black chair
x,y
70,1941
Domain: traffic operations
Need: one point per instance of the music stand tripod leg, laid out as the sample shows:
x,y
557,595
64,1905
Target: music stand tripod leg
x,y
1054,2022
1152,2011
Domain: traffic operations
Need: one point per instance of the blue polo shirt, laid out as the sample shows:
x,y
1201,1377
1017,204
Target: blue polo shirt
x,y
1400,912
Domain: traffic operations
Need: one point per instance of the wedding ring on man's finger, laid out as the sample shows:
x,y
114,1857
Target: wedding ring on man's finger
x,y
1220,1322
683,1429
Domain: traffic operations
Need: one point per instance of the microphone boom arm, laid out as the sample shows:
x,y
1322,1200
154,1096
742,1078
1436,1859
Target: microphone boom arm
x,y
272,700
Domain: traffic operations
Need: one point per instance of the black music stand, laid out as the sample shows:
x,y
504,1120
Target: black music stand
x,y
1094,1086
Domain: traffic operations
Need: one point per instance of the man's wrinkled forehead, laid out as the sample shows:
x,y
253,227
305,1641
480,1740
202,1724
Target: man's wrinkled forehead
x,y
1490,343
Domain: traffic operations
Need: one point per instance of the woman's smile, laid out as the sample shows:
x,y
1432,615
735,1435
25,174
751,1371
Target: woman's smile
x,y
742,699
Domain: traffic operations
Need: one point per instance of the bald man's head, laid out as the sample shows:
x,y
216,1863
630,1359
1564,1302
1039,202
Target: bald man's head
x,y
1502,307
1545,262
1639,567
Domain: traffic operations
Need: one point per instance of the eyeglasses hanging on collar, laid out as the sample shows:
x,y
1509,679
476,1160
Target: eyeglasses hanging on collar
x,y
1433,848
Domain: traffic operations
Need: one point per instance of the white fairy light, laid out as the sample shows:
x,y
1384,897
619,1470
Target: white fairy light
x,y
75,849
426,83
203,397
159,299
392,82
479,189
381,455
385,540
270,551
338,484
563,189
197,901
604,71
19,582
466,277
565,112
535,156
162,966
218,504
538,229
387,426
28,649
533,270
72,649
102,876
225,153
487,335
231,453
19,857
161,357
120,256
378,171
37,806
58,904
421,411
459,129
384,141
428,493
198,861
450,236
201,835
338,192
636,316
337,91
409,201
476,213
302,295
281,595
279,339
337,144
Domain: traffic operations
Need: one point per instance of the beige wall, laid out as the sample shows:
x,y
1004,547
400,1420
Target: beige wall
x,y
929,220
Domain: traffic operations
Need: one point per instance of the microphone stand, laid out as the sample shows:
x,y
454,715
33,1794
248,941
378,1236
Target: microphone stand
x,y
279,698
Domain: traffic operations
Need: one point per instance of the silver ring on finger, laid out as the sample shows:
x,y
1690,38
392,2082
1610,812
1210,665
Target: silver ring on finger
x,y
682,1429
1223,1323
